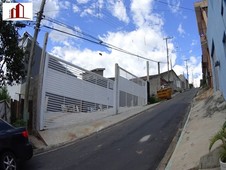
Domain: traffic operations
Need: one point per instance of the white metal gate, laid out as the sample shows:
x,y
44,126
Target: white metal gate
x,y
130,90
67,87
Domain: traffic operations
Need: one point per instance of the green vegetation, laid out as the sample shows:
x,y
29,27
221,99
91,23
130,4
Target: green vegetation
x,y
20,123
4,95
11,55
220,136
153,100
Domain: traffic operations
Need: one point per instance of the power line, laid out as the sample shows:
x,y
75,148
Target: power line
x,y
172,5
94,40
100,42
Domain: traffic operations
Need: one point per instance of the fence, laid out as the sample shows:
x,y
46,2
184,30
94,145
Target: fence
x,y
67,87
17,109
129,89
4,110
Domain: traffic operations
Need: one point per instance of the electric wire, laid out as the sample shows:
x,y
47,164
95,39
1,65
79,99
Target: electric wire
x,y
172,5
92,40
107,45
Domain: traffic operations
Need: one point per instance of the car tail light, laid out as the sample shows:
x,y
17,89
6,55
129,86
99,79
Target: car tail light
x,y
25,134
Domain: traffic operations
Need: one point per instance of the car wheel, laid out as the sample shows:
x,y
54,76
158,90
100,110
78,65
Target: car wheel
x,y
8,161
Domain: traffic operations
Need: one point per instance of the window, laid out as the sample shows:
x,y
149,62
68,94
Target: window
x,y
224,43
206,10
212,49
224,38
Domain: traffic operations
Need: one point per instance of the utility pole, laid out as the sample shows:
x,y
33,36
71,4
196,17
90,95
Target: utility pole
x,y
159,79
148,83
39,119
116,97
187,71
147,63
28,116
167,54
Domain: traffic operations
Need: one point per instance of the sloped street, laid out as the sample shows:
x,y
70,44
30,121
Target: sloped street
x,y
137,143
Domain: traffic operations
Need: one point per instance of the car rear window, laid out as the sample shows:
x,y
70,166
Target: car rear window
x,y
4,126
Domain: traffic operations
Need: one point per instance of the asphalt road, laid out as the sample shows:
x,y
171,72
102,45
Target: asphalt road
x,y
138,143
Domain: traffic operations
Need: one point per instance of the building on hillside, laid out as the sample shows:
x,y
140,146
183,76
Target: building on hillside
x,y
18,91
201,10
216,37
99,71
184,81
157,81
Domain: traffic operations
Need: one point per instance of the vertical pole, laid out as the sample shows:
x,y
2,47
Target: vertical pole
x,y
32,52
167,54
148,85
116,98
192,79
40,84
44,99
147,70
159,79
187,72
171,66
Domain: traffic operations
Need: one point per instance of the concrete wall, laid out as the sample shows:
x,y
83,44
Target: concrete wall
x,y
216,35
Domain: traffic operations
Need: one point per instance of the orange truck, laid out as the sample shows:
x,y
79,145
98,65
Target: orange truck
x,y
165,93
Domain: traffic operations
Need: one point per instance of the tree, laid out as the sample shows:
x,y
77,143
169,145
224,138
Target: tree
x,y
4,95
11,55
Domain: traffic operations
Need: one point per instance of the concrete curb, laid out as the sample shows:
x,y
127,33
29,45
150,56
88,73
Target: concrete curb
x,y
166,162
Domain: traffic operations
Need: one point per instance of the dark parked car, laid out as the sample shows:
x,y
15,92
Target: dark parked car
x,y
14,146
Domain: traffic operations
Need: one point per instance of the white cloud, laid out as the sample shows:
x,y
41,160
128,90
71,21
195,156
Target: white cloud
x,y
52,7
146,40
57,36
141,13
118,10
174,5
140,9
88,11
194,70
194,42
82,1
75,8
181,30
100,4
86,58
65,4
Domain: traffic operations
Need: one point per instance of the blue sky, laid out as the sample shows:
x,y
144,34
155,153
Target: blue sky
x,y
137,26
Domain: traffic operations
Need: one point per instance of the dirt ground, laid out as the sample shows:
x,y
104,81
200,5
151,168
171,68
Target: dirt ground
x,y
208,113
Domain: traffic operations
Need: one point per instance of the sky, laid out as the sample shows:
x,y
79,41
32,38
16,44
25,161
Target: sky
x,y
136,26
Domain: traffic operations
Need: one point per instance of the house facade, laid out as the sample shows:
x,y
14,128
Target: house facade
x,y
184,82
216,37
157,81
201,10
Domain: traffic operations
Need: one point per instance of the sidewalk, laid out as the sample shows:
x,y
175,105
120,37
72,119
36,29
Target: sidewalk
x,y
208,113
64,128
